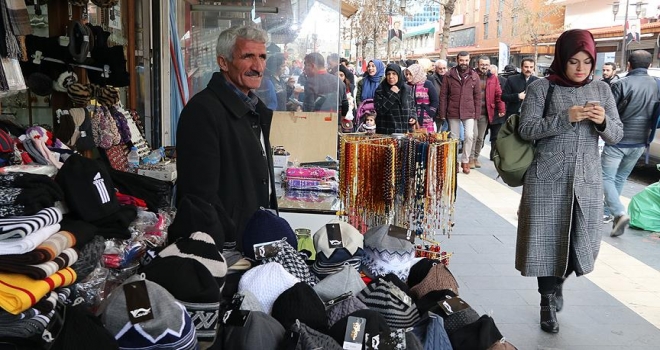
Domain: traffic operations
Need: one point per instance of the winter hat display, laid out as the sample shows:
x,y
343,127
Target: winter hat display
x,y
80,94
480,334
40,84
300,302
84,139
267,282
20,226
266,226
65,80
460,316
201,247
429,302
293,262
343,308
330,259
431,332
260,332
193,286
438,278
345,280
154,319
89,257
397,307
303,337
195,214
306,244
250,302
19,293
384,253
375,324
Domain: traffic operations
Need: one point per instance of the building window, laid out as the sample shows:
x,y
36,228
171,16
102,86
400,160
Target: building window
x,y
500,5
485,26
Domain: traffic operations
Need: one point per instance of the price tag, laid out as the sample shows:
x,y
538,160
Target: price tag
x,y
334,235
452,305
267,250
401,233
354,335
138,304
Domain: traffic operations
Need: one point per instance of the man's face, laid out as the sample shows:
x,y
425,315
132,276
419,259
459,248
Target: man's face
x,y
484,66
607,71
309,68
527,69
463,63
247,66
397,25
441,68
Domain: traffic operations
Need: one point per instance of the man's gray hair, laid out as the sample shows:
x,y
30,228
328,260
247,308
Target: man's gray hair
x,y
437,63
494,66
227,39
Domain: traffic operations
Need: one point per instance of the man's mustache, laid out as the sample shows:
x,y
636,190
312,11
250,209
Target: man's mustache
x,y
253,73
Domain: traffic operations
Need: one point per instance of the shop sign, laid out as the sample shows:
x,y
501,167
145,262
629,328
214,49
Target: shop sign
x,y
457,20
463,37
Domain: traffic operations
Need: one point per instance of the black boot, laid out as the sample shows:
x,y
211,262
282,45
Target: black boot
x,y
559,294
549,313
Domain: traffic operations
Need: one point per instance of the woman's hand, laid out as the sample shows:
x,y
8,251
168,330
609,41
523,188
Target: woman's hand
x,y
596,114
395,89
578,113
412,121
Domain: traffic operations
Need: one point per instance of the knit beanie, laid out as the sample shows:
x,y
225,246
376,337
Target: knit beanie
x,y
384,253
201,247
266,226
419,270
260,332
429,302
480,334
170,325
195,214
89,257
397,307
300,302
306,245
346,280
79,94
343,308
267,282
332,259
303,337
82,330
438,278
375,324
40,84
394,279
293,262
193,286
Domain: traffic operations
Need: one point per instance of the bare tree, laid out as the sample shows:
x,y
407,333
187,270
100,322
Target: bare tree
x,y
532,20
369,24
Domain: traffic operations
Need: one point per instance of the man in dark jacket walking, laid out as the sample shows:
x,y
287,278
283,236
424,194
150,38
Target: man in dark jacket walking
x,y
223,148
635,97
491,107
460,101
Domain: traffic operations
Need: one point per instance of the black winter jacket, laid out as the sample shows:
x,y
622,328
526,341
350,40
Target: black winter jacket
x,y
220,157
636,96
515,84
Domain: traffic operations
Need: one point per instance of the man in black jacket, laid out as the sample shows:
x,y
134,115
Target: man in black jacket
x,y
223,148
513,95
635,96
323,91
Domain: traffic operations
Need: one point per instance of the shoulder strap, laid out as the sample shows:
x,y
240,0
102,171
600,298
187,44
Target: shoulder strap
x,y
548,97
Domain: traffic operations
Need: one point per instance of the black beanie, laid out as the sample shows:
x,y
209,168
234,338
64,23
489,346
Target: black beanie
x,y
419,271
300,302
477,335
391,277
40,84
83,331
376,324
430,301
195,214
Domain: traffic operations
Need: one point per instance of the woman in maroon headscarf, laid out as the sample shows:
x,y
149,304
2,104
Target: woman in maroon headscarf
x,y
560,220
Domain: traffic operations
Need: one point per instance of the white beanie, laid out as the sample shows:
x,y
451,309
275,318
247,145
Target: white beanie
x,y
267,282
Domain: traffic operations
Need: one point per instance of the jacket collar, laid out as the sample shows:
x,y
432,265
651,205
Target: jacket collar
x,y
638,71
227,97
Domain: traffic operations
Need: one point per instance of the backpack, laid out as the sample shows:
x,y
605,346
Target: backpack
x,y
512,155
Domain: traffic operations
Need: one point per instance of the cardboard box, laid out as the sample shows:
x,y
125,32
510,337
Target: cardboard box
x,y
281,161
164,172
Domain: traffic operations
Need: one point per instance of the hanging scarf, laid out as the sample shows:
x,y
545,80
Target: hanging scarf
x,y
371,81
568,44
13,50
18,17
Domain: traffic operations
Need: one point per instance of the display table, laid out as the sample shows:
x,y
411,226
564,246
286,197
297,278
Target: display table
x,y
307,209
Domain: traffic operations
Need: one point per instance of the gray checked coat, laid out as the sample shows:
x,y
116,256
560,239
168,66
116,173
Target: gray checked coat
x,y
562,199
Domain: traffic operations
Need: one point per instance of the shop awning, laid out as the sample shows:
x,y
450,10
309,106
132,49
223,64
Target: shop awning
x,y
417,32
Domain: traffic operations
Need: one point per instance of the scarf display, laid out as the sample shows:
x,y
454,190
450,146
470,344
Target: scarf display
x,y
409,182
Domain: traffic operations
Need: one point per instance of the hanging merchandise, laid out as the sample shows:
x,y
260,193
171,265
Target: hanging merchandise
x,y
409,181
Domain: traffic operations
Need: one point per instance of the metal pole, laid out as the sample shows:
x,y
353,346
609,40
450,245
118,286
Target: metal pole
x,y
624,46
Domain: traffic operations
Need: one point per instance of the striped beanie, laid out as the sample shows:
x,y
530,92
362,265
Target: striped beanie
x,y
384,253
80,94
201,247
395,305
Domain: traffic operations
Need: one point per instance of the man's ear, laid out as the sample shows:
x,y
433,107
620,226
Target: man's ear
x,y
223,64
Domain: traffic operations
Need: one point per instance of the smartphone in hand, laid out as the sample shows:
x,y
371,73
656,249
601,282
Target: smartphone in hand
x,y
592,103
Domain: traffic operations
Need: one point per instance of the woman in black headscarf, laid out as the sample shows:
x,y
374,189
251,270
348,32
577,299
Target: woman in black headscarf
x,y
561,209
394,104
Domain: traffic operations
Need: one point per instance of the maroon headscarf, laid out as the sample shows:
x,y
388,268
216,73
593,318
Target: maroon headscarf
x,y
568,44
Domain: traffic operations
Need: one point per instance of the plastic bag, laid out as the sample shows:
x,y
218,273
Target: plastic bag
x,y
644,209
